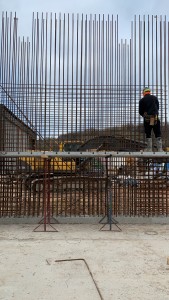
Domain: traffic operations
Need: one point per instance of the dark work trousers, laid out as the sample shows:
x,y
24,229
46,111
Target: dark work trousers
x,y
156,128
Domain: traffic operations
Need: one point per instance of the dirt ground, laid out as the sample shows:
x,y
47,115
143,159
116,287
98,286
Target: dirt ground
x,y
78,261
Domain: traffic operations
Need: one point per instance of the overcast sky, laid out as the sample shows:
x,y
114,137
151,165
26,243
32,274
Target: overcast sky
x,y
126,9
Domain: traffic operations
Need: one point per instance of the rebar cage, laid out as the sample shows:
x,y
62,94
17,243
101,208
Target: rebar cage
x,y
74,85
139,184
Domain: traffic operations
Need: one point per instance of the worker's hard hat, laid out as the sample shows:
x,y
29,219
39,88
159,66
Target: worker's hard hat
x,y
146,91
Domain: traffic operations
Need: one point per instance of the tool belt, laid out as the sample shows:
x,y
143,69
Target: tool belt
x,y
152,119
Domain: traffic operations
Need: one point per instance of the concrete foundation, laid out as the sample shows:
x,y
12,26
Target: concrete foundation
x,y
81,262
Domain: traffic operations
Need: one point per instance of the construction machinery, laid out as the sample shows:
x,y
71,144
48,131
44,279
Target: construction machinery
x,y
32,169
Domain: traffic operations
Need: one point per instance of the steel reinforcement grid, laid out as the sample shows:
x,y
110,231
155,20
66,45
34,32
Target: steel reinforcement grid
x,y
138,184
74,85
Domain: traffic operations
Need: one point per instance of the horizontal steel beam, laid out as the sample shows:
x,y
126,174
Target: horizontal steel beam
x,y
49,154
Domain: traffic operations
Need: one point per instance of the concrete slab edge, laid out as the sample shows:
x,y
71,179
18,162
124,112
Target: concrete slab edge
x,y
88,220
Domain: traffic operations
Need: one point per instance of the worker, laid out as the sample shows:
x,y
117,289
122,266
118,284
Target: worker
x,y
148,109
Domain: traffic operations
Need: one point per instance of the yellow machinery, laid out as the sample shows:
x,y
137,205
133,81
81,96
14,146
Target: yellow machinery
x,y
34,167
57,164
33,170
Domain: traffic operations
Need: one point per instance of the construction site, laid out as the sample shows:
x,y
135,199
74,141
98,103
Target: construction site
x,y
84,207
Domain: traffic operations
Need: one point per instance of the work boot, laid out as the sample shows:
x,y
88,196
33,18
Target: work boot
x,y
159,144
149,145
